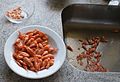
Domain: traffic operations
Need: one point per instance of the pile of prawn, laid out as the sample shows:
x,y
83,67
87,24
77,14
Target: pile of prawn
x,y
32,51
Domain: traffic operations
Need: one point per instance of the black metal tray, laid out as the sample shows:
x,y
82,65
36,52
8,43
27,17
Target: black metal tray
x,y
81,21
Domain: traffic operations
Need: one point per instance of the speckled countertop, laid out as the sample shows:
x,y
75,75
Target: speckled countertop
x,y
47,13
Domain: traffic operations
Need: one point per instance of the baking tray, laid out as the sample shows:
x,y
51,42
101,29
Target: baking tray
x,y
82,21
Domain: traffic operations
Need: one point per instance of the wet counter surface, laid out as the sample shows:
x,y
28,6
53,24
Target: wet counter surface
x,y
47,13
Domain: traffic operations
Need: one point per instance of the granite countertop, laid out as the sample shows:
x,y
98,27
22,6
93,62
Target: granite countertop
x,y
47,13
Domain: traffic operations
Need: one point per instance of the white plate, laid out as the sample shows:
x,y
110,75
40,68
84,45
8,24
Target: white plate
x,y
54,39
